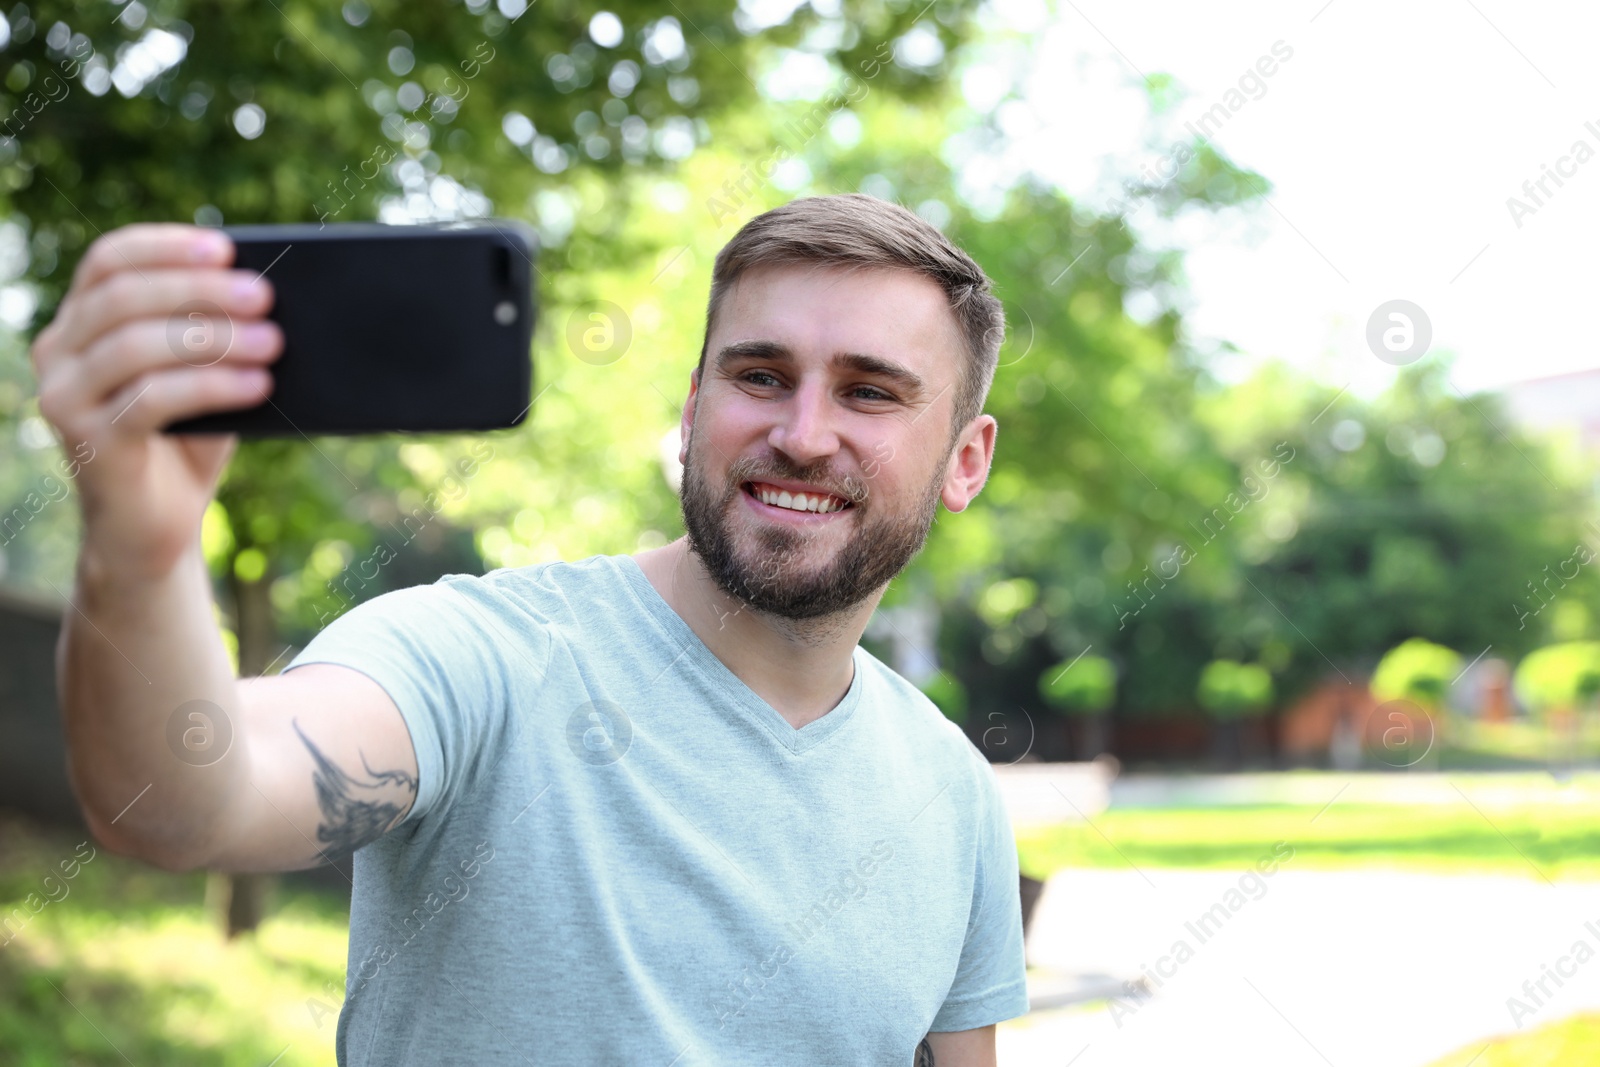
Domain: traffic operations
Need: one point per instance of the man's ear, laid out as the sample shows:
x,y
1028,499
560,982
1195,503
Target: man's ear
x,y
968,468
686,423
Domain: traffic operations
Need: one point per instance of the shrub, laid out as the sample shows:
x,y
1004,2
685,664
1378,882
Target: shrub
x,y
1085,687
1230,690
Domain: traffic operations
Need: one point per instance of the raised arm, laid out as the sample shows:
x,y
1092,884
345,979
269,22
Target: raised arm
x,y
174,760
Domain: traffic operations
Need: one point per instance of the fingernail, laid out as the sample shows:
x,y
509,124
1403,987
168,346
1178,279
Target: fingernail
x,y
209,246
256,335
247,286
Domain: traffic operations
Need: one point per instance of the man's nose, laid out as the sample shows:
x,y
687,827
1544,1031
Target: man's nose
x,y
805,430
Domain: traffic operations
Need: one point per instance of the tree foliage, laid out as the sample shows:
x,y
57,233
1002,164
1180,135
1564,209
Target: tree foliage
x,y
1416,670
563,115
1230,690
1087,686
1138,504
1559,677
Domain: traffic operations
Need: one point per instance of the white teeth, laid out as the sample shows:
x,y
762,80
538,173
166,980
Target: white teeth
x,y
816,503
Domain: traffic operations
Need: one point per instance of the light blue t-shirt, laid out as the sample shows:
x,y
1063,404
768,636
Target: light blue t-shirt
x,y
620,854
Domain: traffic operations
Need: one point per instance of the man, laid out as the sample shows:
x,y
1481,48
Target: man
x,y
653,809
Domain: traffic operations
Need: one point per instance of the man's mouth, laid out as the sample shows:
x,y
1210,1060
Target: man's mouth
x,y
817,501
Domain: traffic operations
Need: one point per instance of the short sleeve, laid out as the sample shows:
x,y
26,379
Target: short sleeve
x,y
446,654
991,983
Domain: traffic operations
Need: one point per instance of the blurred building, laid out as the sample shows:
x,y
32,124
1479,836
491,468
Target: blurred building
x,y
1328,726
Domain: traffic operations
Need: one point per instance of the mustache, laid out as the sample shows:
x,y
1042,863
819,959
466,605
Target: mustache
x,y
750,469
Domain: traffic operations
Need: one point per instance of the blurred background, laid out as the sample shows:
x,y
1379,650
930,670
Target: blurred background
x,y
1278,615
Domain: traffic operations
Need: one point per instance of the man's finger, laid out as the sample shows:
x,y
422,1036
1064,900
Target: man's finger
x,y
151,244
138,348
231,297
154,400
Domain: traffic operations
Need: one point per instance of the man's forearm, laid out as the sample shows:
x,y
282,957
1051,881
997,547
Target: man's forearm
x,y
151,777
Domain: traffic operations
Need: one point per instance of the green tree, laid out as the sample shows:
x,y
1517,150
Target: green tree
x,y
1417,673
1229,690
1416,670
1423,512
1233,693
1559,678
1082,691
245,113
1087,686
1558,683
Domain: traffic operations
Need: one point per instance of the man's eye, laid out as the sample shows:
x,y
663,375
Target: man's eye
x,y
753,375
877,394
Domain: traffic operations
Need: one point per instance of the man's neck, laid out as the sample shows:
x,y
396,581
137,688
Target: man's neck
x,y
803,668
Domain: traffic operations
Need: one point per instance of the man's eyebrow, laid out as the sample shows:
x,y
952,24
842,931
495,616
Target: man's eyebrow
x,y
908,382
861,362
750,350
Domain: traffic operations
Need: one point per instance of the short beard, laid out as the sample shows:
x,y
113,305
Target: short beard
x,y
777,581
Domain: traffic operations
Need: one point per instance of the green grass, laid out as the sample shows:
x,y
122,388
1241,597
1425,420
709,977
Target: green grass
x,y
1559,841
1563,1044
131,966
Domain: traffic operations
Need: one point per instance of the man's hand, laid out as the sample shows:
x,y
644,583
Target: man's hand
x,y
154,328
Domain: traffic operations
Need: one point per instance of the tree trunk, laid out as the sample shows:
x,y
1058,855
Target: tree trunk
x,y
241,899
1226,747
1095,735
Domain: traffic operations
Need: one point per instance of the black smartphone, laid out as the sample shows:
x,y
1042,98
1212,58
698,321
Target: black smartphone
x,y
424,328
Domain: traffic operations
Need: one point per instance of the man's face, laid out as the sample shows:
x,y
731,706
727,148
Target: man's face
x,y
840,384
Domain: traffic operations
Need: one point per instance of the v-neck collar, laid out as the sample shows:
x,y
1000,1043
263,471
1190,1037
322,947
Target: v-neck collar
x,y
700,656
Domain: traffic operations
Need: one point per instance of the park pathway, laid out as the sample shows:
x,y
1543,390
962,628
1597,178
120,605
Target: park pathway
x,y
1364,968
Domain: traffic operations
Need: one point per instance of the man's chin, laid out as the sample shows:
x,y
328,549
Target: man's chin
x,y
799,602
793,589
796,570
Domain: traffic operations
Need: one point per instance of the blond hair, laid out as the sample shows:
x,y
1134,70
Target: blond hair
x,y
857,230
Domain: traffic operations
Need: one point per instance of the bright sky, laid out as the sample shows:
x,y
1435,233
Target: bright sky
x,y
1394,136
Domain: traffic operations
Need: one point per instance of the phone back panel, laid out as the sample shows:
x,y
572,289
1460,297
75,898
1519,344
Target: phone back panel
x,y
389,328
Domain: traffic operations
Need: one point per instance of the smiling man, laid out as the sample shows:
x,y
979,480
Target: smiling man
x,y
656,809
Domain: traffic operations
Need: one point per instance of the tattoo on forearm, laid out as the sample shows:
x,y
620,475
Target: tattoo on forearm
x,y
924,1055
355,812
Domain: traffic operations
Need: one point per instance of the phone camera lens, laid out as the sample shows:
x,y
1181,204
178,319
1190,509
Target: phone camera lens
x,y
505,313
